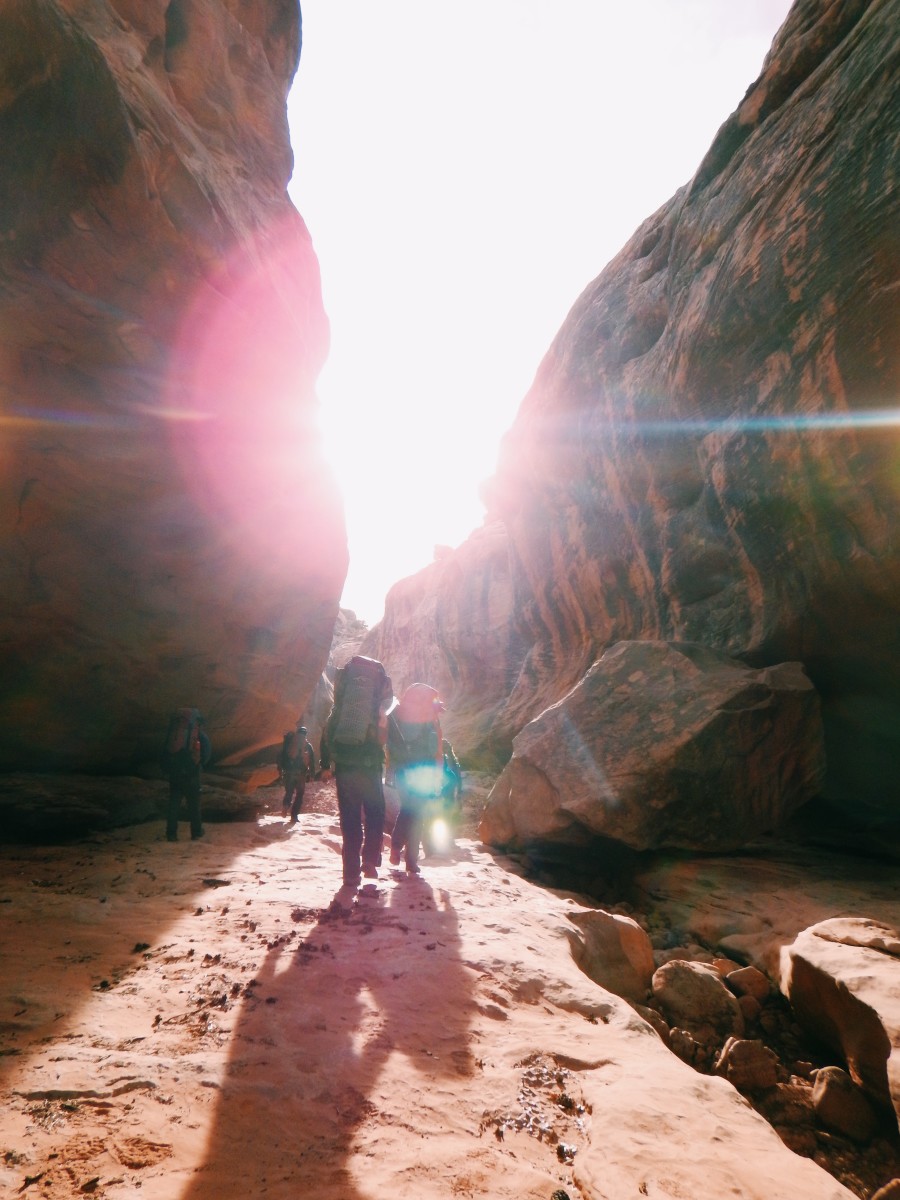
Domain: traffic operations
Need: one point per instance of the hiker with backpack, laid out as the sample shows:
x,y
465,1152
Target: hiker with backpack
x,y
296,765
415,753
185,751
353,743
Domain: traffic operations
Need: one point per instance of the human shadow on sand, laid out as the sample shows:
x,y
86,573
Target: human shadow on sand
x,y
317,1028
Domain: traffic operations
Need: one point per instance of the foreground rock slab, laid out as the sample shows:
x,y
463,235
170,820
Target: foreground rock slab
x,y
201,1020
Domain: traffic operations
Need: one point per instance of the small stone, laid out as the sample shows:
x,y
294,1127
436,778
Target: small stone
x,y
750,1007
748,981
725,966
841,1106
748,1065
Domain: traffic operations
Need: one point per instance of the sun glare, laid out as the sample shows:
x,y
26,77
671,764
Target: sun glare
x,y
463,181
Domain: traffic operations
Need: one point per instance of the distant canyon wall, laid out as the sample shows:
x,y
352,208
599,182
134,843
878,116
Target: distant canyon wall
x,y
169,531
710,451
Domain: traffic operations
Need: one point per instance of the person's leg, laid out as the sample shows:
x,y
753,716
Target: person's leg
x,y
400,832
288,788
350,812
373,807
297,804
414,840
192,791
173,810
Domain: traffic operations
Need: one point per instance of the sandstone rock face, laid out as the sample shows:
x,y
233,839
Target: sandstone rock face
x,y
843,978
449,626
170,534
709,450
663,745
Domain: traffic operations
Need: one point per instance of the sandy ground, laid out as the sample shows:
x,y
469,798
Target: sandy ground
x,y
197,1020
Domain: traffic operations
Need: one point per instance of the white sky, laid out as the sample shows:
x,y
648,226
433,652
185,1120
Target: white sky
x,y
465,171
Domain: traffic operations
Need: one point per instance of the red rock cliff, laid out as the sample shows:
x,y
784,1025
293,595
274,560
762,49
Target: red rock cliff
x,y
710,450
169,532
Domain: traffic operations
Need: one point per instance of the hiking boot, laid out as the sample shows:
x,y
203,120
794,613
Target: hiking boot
x,y
292,821
413,869
171,837
370,872
199,834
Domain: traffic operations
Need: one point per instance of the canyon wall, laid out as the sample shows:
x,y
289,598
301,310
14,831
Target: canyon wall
x,y
169,531
710,450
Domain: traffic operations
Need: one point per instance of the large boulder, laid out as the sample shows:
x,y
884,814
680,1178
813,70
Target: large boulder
x,y
842,977
171,534
663,745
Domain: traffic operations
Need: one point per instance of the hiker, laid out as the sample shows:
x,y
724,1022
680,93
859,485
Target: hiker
x,y
296,765
185,751
353,742
416,760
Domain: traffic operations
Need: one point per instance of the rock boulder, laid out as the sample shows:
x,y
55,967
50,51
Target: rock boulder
x,y
663,745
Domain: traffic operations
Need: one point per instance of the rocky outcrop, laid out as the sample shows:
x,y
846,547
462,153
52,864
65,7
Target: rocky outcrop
x,y
662,745
707,453
842,977
449,626
170,533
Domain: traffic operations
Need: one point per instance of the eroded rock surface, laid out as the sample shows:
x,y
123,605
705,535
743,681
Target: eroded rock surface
x,y
709,450
663,745
449,626
169,534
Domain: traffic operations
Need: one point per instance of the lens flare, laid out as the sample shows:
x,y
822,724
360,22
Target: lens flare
x,y
440,836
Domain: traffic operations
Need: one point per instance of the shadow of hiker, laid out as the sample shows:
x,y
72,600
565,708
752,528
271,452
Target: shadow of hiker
x,y
318,1027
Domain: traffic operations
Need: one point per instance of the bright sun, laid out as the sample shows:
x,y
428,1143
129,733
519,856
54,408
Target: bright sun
x,y
463,180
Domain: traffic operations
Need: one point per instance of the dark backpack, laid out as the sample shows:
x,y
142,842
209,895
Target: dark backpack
x,y
414,741
183,746
361,690
292,751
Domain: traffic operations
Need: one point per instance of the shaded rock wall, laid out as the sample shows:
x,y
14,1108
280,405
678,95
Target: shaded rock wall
x,y
169,532
710,450
449,626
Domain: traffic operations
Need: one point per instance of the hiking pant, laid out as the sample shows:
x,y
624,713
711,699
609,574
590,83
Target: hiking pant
x,y
184,787
293,792
407,834
361,806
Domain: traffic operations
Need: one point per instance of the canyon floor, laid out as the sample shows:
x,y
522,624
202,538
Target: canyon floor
x,y
215,1019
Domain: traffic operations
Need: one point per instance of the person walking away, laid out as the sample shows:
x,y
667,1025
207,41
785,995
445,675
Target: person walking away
x,y
297,765
186,751
353,743
416,758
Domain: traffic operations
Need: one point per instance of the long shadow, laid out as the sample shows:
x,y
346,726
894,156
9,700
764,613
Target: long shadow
x,y
133,881
315,1033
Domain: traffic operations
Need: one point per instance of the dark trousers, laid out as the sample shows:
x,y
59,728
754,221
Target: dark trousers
x,y
361,807
407,833
184,787
293,793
